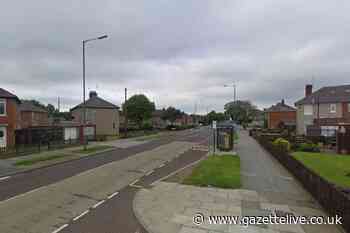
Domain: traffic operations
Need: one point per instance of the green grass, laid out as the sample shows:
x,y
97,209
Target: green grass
x,y
32,161
93,149
334,168
217,171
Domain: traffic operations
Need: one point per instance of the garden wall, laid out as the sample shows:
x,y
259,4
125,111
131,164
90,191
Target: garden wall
x,y
334,199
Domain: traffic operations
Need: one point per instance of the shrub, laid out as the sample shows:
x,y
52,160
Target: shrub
x,y
308,147
282,143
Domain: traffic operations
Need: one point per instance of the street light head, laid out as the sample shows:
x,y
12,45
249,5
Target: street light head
x,y
102,37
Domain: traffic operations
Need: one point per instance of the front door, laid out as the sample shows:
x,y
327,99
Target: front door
x,y
3,141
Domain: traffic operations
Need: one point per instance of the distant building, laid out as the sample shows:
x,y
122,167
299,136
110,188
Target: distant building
x,y
324,110
280,114
157,121
8,118
99,112
32,115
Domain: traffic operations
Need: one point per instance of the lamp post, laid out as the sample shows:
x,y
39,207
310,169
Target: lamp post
x,y
84,107
234,90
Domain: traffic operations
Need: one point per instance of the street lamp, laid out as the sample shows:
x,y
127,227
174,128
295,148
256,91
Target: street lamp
x,y
84,107
234,89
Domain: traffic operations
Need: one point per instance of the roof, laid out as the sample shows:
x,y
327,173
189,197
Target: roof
x,y
7,95
280,107
331,94
29,106
96,102
157,113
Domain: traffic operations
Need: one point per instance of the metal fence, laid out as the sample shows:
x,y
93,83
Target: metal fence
x,y
22,150
334,199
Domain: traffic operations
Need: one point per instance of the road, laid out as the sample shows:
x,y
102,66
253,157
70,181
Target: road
x,y
27,181
92,194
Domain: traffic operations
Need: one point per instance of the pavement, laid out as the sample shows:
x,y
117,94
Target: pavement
x,y
268,188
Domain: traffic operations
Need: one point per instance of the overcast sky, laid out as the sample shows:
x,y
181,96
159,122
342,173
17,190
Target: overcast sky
x,y
177,52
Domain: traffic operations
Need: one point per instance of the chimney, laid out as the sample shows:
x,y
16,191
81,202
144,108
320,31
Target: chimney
x,y
92,94
282,102
308,90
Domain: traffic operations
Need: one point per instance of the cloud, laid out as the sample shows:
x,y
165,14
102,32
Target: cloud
x,y
179,53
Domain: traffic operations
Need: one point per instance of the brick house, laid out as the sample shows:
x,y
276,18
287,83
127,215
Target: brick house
x,y
99,112
32,115
8,118
157,121
281,113
324,110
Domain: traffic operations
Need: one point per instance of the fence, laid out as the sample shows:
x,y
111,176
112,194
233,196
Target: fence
x,y
22,150
334,199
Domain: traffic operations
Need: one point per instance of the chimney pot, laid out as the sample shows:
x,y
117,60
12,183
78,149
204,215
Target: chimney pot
x,y
308,90
92,94
282,101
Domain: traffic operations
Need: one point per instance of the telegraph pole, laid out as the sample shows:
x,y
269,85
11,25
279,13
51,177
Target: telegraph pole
x,y
126,114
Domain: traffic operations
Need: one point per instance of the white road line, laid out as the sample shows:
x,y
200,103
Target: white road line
x,y
162,165
60,228
177,171
133,183
22,194
5,178
98,204
113,195
149,173
81,215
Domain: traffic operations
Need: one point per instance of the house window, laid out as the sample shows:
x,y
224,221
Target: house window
x,y
2,107
308,110
333,108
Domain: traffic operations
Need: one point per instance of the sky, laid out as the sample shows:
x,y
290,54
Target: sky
x,y
178,52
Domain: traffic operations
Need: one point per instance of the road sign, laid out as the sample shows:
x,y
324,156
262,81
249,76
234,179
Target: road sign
x,y
214,124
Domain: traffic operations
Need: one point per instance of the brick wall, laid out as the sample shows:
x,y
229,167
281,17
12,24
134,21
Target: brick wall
x,y
275,118
10,120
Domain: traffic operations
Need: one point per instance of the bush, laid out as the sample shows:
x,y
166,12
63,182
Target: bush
x,y
308,147
147,126
282,143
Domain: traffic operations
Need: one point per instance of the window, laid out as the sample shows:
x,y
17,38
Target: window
x,y
332,108
308,110
348,107
2,107
1,134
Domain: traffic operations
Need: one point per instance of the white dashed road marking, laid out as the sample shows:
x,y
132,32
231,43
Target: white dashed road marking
x,y
60,228
98,204
112,195
81,215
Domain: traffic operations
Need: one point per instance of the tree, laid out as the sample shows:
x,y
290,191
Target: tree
x,y
216,116
171,114
139,108
243,112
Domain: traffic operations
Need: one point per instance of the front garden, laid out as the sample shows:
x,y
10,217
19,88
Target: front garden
x,y
334,168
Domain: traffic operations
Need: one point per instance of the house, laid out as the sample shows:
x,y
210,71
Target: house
x,y
99,112
8,118
184,120
32,115
326,109
157,121
280,114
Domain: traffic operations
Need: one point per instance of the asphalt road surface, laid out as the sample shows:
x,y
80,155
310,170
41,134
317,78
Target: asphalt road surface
x,y
93,194
28,181
116,214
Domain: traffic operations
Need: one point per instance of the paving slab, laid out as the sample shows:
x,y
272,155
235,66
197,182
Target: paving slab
x,y
171,207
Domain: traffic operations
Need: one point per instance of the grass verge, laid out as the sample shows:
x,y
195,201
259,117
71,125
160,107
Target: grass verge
x,y
32,161
334,168
93,149
218,171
